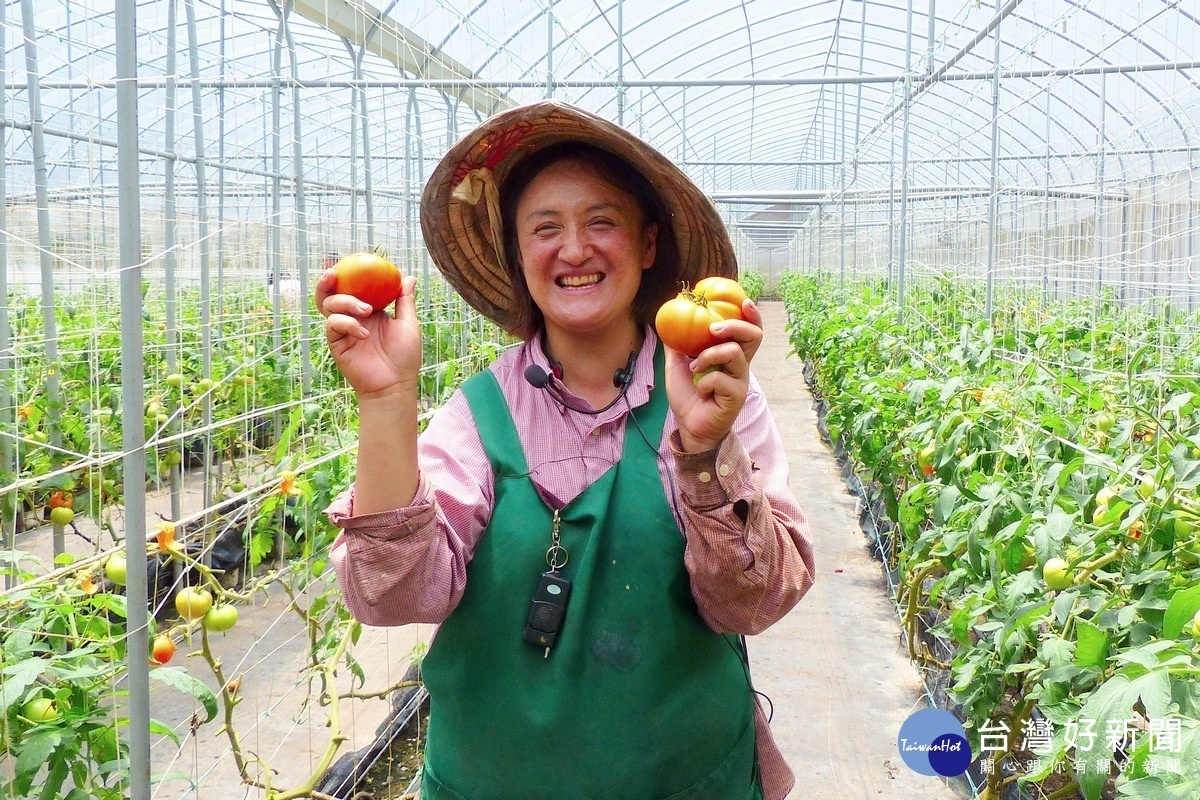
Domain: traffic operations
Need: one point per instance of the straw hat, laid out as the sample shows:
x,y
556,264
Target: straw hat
x,y
460,207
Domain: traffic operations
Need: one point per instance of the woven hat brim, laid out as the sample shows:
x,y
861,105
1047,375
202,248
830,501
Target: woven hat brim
x,y
458,234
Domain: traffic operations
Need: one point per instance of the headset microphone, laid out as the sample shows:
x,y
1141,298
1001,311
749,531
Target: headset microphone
x,y
622,377
538,378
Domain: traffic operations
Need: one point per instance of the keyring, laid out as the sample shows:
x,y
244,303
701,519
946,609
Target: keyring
x,y
553,554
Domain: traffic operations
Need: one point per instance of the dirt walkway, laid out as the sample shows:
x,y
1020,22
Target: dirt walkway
x,y
835,668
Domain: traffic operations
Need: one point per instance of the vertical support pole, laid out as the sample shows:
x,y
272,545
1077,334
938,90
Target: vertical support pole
x,y
1100,208
683,128
355,88
368,172
841,137
170,225
45,253
891,227
132,391
902,264
206,325
301,207
276,249
549,52
1046,204
8,508
221,182
862,53
620,62
994,195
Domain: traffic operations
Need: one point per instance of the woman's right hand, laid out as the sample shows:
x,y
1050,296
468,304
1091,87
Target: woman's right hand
x,y
377,353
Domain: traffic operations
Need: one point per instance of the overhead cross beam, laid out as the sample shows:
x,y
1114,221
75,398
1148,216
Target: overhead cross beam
x,y
364,25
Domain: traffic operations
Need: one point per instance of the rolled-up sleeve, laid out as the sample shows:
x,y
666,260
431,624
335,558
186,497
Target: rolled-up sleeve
x,y
410,564
749,550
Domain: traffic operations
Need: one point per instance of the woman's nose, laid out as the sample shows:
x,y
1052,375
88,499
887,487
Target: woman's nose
x,y
575,246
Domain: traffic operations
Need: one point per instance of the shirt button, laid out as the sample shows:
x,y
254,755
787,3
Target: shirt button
x,y
595,431
723,470
704,477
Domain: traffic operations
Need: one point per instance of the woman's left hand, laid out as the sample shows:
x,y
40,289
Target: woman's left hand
x,y
707,392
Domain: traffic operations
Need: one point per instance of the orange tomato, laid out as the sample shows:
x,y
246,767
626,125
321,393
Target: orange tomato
x,y
723,295
163,649
370,277
682,322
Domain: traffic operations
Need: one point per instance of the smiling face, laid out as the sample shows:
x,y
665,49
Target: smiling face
x,y
583,246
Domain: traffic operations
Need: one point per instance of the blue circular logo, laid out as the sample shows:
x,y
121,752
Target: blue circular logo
x,y
932,742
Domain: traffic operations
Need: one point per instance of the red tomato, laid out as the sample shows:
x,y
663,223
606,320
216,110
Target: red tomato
x,y
164,648
682,324
723,295
370,277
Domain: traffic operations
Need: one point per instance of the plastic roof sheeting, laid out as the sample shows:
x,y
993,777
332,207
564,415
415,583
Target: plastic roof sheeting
x,y
800,99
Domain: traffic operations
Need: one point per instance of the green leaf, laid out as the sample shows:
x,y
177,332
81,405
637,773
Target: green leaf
x,y
1091,644
162,729
1177,402
35,754
1180,611
1187,470
55,777
179,678
21,675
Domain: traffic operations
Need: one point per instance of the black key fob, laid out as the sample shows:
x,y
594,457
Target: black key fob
x,y
547,610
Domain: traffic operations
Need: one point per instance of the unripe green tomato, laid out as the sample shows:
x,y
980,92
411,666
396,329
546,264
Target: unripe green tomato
x,y
1194,628
40,709
1057,573
61,516
174,380
115,569
1105,421
1146,487
221,618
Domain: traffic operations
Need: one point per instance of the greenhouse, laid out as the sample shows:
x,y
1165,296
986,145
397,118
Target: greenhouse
x,y
970,238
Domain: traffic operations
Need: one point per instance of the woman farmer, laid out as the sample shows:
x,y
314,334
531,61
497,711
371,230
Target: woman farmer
x,y
592,529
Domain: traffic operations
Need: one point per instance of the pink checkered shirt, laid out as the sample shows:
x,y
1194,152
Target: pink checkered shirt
x,y
748,550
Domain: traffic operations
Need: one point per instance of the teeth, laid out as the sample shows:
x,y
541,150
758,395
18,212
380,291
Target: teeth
x,y
580,280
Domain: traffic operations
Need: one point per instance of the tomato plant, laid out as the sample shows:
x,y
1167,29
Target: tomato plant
x,y
1060,441
370,277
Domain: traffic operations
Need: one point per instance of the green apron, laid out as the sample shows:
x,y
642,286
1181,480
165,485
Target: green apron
x,y
638,700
